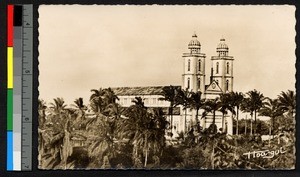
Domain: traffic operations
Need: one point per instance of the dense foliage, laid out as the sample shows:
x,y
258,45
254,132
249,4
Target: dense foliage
x,y
102,134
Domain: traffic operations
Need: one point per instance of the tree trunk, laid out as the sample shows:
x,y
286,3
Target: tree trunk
x,y
254,121
185,128
272,131
212,157
237,120
146,158
246,125
197,123
171,121
185,118
171,113
214,117
223,122
146,155
270,135
251,124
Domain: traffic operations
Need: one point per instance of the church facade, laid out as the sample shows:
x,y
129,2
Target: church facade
x,y
193,79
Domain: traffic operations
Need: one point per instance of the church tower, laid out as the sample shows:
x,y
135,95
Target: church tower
x,y
222,68
193,77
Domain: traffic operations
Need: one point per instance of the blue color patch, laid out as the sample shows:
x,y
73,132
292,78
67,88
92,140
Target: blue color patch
x,y
10,162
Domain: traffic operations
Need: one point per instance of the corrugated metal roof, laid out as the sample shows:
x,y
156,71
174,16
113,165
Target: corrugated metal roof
x,y
151,90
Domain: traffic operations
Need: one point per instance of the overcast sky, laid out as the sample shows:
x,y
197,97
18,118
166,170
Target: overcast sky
x,y
88,47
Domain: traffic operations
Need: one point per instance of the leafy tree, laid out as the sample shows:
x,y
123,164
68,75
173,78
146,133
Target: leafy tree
x,y
58,106
169,94
109,96
116,137
183,97
192,158
262,128
237,99
104,128
97,101
196,103
135,129
145,129
56,135
79,112
225,106
246,107
211,106
42,119
271,109
100,140
255,103
156,130
287,101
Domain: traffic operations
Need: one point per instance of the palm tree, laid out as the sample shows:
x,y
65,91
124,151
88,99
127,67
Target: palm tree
x,y
115,112
211,106
100,137
155,136
256,102
58,106
96,100
135,129
42,112
287,101
101,98
169,94
246,107
237,99
145,129
110,96
196,103
56,136
104,128
79,113
138,101
58,114
183,97
79,104
225,106
271,109
42,119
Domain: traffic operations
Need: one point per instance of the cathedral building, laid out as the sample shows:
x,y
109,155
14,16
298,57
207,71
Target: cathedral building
x,y
193,79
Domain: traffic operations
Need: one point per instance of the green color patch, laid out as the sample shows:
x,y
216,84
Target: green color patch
x,y
10,109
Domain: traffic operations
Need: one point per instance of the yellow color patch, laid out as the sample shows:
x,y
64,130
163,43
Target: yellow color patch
x,y
10,67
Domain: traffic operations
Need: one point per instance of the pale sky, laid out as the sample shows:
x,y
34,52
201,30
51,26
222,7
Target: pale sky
x,y
88,47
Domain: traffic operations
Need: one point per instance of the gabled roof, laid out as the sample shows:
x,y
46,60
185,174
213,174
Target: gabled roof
x,y
213,87
151,90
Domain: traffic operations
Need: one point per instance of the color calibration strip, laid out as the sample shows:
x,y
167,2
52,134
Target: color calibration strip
x,y
19,87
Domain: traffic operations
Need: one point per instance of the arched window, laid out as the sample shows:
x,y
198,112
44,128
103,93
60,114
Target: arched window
x,y
217,68
188,83
227,68
189,65
199,84
199,65
227,85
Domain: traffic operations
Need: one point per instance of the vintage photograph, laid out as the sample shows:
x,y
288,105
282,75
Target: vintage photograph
x,y
167,87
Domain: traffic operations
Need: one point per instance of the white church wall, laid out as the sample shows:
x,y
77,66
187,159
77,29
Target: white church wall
x,y
149,100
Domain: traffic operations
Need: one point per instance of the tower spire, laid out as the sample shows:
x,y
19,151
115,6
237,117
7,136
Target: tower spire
x,y
194,35
223,67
